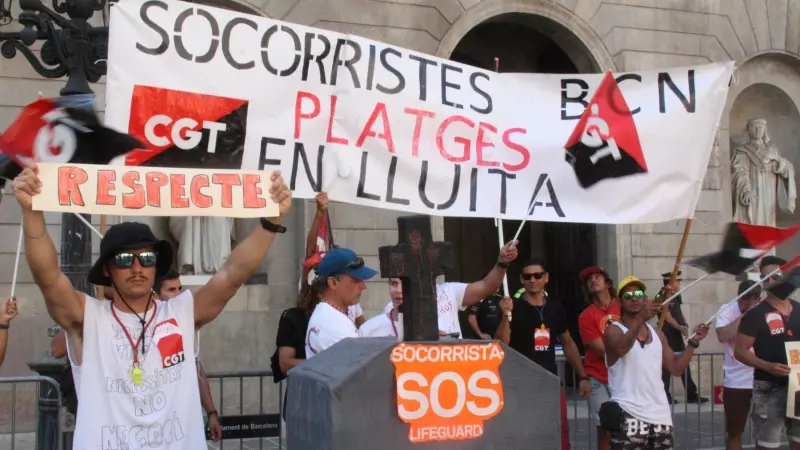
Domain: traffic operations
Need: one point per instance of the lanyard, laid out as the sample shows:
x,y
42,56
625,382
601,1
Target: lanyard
x,y
540,311
135,346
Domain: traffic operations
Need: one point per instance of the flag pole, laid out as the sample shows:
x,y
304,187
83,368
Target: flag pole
x,y
499,222
101,290
730,303
674,276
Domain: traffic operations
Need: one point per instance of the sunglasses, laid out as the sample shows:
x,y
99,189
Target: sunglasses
x,y
630,295
125,260
776,276
356,263
536,275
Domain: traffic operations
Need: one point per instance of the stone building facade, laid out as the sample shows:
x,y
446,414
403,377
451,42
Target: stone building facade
x,y
554,36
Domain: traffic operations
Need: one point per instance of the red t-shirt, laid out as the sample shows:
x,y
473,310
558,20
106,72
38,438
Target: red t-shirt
x,y
592,323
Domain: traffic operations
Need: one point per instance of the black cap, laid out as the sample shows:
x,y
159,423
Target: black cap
x,y
771,260
129,236
747,284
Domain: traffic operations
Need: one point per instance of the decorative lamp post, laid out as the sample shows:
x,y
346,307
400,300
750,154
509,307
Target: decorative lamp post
x,y
72,48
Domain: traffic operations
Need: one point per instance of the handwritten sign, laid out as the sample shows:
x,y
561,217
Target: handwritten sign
x,y
447,392
149,191
793,400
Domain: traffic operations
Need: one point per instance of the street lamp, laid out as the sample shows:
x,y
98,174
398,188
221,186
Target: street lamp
x,y
72,48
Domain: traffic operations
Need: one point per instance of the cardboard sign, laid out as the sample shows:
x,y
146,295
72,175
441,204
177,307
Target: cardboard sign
x,y
447,392
387,127
247,427
793,398
149,191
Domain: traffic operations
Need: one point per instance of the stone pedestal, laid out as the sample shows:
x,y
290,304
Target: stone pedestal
x,y
345,399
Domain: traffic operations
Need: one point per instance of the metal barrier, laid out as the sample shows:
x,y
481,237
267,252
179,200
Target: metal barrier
x,y
41,427
240,384
697,426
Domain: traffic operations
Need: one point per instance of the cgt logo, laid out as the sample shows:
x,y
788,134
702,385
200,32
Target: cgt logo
x,y
447,392
161,131
169,343
185,129
171,360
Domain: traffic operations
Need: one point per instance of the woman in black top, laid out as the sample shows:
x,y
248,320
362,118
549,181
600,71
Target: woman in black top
x,y
291,339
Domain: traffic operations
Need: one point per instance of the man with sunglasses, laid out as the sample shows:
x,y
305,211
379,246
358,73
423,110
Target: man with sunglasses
x,y
638,414
765,329
593,321
536,322
131,356
168,287
340,280
451,297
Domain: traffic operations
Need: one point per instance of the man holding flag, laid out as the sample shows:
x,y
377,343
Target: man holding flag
x,y
766,328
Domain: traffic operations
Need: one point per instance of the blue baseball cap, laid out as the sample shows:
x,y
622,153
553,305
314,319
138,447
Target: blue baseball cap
x,y
343,261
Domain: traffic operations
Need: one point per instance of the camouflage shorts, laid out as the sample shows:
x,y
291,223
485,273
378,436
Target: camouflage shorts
x,y
639,435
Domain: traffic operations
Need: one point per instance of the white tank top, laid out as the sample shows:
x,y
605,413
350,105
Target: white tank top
x,y
635,381
163,412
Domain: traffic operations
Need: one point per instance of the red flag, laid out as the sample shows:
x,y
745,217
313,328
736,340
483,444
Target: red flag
x,y
743,244
47,132
324,243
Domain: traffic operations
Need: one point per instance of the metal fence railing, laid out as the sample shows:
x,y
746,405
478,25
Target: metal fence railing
x,y
30,413
29,409
697,426
248,393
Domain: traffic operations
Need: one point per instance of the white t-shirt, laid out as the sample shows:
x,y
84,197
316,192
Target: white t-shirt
x,y
382,326
326,327
163,412
737,375
449,300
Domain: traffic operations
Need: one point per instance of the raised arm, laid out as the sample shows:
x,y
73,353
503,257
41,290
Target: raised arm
x,y
64,304
210,300
319,216
479,290
677,365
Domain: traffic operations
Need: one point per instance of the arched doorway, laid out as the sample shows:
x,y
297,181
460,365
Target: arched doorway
x,y
533,44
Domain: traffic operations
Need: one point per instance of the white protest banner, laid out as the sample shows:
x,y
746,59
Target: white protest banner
x,y
383,126
154,191
793,398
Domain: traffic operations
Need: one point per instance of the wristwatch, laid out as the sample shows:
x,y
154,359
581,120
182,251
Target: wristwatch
x,y
213,412
693,343
4,326
272,227
502,265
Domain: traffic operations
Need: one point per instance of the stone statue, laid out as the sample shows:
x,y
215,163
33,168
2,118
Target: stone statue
x,y
762,180
203,243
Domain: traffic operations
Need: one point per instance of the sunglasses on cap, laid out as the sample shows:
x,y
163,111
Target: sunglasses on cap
x,y
536,275
356,263
125,260
630,295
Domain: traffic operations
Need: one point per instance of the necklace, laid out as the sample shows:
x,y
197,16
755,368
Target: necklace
x,y
335,307
137,374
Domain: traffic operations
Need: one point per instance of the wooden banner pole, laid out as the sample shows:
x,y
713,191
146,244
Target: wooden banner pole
x,y
675,269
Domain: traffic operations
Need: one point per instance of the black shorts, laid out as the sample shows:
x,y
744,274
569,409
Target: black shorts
x,y
639,435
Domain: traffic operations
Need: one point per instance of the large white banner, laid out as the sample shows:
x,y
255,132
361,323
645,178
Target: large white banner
x,y
386,127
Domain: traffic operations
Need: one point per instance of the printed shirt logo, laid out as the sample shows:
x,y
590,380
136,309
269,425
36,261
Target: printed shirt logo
x,y
775,323
184,129
605,320
541,339
447,392
169,342
605,143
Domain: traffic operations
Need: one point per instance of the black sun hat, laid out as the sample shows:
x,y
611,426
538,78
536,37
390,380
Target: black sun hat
x,y
129,236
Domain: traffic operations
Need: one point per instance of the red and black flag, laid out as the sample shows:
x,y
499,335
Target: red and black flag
x,y
786,281
44,131
185,129
605,143
324,243
743,244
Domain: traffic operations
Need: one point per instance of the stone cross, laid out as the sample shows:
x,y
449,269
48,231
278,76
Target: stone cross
x,y
417,261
